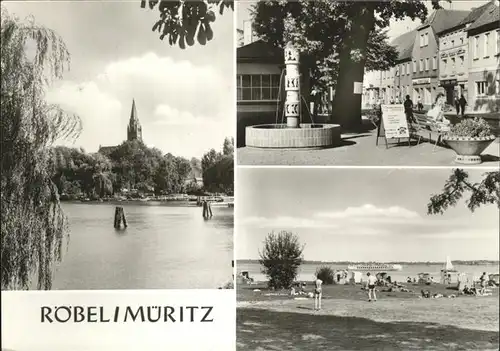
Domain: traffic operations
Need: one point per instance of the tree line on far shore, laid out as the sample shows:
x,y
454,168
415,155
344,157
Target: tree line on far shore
x,y
134,166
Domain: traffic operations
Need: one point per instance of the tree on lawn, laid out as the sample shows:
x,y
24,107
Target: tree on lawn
x,y
281,258
184,22
33,223
487,191
340,40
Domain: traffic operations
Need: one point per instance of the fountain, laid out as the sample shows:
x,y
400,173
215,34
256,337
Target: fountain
x,y
293,134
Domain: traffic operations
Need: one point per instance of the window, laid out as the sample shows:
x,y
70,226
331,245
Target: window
x,y
434,63
453,66
426,38
408,67
422,40
402,69
462,61
397,70
421,65
443,63
486,44
462,41
476,48
426,64
257,87
497,86
497,43
414,66
481,88
452,43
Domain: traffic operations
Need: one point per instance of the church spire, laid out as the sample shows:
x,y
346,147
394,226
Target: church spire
x,y
134,130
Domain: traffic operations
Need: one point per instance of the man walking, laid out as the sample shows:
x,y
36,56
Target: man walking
x,y
372,280
462,103
408,105
456,101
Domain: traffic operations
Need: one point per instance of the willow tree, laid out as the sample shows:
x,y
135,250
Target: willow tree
x,y
33,224
184,22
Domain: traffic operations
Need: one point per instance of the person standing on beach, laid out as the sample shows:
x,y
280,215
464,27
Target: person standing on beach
x,y
371,287
484,280
317,294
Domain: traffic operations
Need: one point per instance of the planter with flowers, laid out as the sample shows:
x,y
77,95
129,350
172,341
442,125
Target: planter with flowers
x,y
469,139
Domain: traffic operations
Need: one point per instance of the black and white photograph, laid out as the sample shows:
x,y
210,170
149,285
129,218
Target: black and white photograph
x,y
117,145
368,83
373,259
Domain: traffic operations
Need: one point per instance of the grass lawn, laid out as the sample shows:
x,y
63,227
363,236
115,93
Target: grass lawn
x,y
273,320
259,329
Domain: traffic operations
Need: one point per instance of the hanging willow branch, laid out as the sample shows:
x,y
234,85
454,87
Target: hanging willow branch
x,y
33,224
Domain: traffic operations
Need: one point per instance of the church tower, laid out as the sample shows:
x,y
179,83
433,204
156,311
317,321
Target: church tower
x,y
134,130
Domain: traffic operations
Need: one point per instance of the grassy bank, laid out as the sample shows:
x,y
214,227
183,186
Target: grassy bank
x,y
274,320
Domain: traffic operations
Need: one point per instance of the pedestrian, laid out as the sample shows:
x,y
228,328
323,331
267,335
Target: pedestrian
x,y
408,105
457,105
484,280
371,287
462,102
318,294
419,104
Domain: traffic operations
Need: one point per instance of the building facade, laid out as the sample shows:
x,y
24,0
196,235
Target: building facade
x,y
372,82
425,62
454,56
484,61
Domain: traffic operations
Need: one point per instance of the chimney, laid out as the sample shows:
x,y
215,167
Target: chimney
x,y
247,32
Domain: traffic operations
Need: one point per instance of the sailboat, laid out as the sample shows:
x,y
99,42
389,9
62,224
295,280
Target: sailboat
x,y
448,266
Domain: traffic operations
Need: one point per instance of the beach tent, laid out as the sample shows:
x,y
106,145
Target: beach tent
x,y
340,277
356,278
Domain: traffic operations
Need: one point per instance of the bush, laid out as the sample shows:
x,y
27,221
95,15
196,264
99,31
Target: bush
x,y
472,128
326,275
281,258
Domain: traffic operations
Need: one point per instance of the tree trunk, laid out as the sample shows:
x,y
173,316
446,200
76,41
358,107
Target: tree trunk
x,y
347,105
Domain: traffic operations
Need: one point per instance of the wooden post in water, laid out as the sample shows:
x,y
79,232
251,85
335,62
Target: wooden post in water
x,y
119,217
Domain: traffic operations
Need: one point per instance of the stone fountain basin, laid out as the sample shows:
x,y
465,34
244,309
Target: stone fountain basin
x,y
279,136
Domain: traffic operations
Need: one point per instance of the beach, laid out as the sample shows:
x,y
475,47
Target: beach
x,y
347,321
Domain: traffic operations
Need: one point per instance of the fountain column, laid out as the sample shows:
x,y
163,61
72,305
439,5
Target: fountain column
x,y
292,86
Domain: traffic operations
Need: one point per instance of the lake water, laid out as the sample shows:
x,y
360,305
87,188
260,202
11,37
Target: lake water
x,y
307,270
165,246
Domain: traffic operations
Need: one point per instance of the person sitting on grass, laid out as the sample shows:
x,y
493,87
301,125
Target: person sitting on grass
x,y
317,294
372,280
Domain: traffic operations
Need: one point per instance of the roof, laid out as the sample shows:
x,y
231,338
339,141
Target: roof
x,y
475,14
259,50
490,15
442,19
404,44
133,112
107,150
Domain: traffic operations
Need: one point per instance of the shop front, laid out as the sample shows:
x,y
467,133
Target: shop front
x,y
425,91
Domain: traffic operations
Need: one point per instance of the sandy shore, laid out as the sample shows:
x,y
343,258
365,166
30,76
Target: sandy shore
x,y
476,313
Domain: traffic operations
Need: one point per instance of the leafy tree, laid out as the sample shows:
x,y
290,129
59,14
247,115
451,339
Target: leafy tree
x,y
184,22
326,275
228,147
487,191
281,258
343,36
33,224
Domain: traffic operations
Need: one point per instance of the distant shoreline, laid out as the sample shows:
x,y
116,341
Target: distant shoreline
x,y
429,263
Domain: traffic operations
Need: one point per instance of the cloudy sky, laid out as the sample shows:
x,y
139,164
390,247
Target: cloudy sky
x,y
184,98
396,27
361,215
